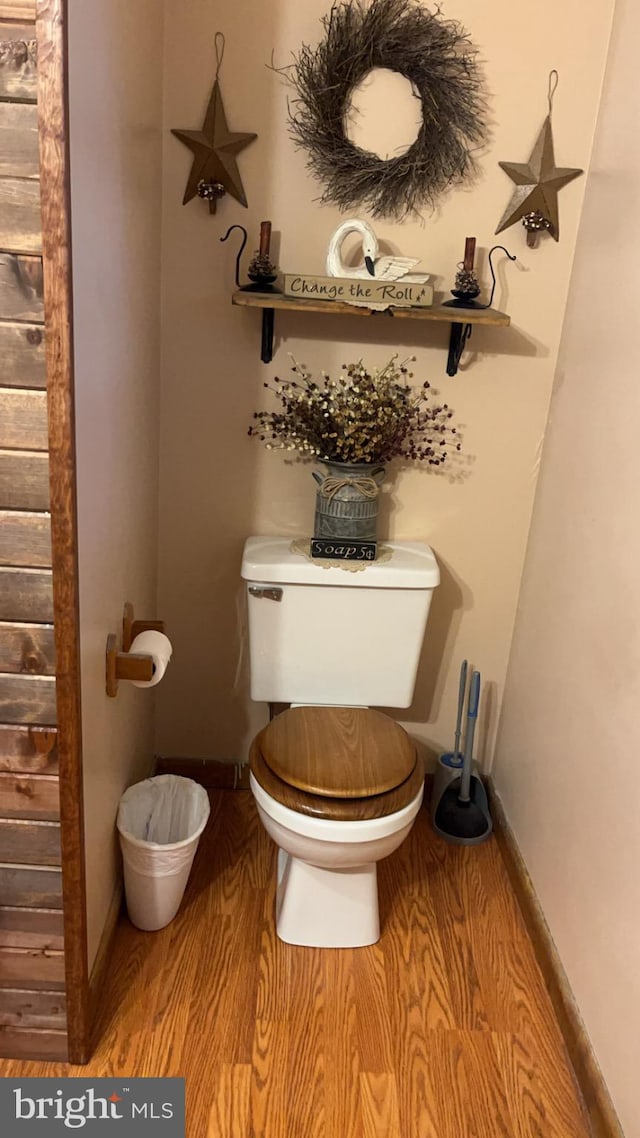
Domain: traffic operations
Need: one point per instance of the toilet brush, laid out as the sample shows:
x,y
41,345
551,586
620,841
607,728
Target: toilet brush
x,y
456,758
462,812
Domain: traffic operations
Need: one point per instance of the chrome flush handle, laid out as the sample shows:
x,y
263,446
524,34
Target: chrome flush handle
x,y
266,593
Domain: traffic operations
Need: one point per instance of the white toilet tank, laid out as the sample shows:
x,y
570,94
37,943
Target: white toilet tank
x,y
333,636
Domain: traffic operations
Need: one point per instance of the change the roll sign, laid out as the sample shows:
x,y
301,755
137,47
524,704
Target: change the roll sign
x,y
363,291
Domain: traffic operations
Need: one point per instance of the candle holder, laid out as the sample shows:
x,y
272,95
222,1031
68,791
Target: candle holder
x,y
466,290
465,293
262,271
466,283
467,286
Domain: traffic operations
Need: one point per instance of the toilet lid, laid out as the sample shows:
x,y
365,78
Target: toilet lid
x,y
340,752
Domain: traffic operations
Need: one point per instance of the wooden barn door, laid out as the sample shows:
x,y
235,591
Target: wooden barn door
x,y
43,966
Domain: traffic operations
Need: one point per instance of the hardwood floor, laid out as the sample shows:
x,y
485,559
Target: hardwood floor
x,y
442,1030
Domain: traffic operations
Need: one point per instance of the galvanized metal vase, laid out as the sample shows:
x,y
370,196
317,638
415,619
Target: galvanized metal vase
x,y
347,501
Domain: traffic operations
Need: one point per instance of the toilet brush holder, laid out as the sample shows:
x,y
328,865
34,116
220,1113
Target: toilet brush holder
x,y
449,770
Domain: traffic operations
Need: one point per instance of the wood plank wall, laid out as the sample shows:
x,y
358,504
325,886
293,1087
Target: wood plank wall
x,y
32,975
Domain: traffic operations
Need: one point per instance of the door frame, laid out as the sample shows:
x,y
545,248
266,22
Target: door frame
x,y
51,35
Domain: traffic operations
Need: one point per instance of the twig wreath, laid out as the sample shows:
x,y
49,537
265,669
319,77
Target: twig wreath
x,y
437,58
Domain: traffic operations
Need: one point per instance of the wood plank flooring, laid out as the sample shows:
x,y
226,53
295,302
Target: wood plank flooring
x,y
442,1030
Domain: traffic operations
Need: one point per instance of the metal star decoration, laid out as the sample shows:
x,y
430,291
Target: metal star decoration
x,y
535,199
214,150
537,183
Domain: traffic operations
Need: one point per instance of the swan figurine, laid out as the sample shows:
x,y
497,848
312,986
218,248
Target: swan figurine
x,y
380,268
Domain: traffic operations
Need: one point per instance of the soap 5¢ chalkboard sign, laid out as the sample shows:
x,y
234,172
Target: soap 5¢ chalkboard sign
x,y
336,550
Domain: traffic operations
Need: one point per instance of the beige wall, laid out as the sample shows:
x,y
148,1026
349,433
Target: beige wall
x,y
115,110
567,758
217,486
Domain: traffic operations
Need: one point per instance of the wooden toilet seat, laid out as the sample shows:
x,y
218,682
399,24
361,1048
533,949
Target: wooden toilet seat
x,y
342,763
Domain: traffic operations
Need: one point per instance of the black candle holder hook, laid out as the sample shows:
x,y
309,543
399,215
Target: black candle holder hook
x,y
262,273
245,238
461,333
511,256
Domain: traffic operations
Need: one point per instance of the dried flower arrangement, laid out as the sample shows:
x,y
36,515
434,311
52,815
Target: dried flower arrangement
x,y
366,415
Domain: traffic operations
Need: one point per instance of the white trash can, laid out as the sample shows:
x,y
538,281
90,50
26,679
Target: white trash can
x,y
160,822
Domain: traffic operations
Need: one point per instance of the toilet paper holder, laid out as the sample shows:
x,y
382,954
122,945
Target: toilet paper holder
x,y
126,665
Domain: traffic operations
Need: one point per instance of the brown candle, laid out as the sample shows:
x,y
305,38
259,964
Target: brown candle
x,y
469,253
265,238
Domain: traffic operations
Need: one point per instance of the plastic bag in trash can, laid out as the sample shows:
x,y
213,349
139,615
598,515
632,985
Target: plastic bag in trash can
x,y
160,822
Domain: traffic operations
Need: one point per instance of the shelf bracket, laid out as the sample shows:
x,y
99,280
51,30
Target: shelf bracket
x,y
266,352
460,333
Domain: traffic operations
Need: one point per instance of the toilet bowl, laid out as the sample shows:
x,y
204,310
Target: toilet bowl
x,y
337,789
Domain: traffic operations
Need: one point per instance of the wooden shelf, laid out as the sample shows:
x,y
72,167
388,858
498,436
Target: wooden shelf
x,y
338,308
461,320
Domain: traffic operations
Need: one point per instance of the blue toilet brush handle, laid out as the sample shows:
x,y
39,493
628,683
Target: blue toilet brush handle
x,y
472,715
461,692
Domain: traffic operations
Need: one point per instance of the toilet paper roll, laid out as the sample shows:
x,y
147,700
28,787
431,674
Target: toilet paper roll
x,y
159,647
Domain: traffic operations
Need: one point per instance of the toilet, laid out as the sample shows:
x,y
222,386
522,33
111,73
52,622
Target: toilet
x,y
337,783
